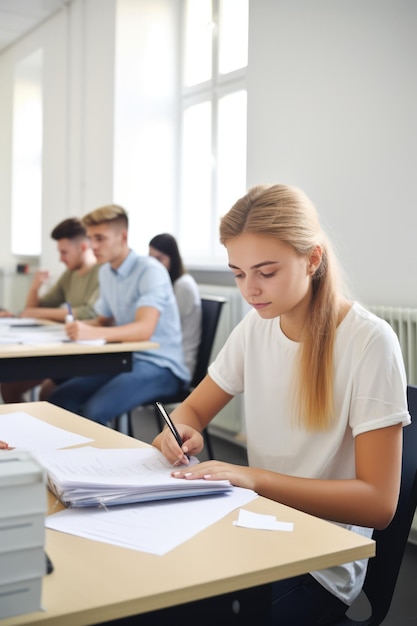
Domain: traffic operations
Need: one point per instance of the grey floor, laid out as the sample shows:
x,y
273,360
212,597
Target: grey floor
x,y
403,611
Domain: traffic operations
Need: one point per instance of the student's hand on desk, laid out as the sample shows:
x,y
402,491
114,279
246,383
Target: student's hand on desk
x,y
237,475
5,446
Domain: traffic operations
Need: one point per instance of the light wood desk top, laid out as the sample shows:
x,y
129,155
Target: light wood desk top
x,y
94,582
19,350
68,348
35,361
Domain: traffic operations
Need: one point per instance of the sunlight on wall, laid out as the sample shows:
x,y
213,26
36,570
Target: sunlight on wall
x,y
144,140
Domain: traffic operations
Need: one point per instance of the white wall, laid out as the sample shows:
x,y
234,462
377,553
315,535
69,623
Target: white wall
x,y
146,116
332,109
78,46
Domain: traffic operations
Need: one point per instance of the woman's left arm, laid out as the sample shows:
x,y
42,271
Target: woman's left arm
x,y
370,499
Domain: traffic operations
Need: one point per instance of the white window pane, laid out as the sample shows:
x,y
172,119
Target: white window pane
x,y
27,157
231,145
198,41
145,119
195,209
233,35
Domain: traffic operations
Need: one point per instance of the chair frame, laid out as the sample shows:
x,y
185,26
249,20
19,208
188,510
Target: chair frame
x,y
212,307
383,569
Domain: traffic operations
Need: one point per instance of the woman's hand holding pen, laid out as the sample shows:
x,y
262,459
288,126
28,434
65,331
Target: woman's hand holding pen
x,y
193,443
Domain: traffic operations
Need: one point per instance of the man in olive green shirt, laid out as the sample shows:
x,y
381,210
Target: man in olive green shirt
x,y
78,286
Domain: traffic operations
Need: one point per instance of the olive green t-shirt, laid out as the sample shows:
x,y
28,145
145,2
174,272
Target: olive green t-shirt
x,y
81,291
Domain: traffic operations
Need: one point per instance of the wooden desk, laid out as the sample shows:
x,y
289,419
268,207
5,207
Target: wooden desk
x,y
95,582
65,360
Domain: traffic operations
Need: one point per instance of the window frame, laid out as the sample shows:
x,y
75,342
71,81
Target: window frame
x,y
212,90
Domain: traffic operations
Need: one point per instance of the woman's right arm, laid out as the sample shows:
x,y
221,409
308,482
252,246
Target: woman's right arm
x,y
190,418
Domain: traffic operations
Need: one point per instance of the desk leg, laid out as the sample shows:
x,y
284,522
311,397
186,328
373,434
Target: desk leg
x,y
239,607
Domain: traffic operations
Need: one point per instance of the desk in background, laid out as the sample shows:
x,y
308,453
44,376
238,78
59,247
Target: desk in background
x,y
94,582
65,360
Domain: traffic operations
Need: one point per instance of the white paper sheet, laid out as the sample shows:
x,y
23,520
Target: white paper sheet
x,y
248,519
154,527
19,321
23,331
26,432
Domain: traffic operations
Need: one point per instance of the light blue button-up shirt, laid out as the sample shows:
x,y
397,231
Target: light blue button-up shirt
x,y
143,281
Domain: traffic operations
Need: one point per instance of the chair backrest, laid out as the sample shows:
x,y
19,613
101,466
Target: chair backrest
x,y
383,569
211,309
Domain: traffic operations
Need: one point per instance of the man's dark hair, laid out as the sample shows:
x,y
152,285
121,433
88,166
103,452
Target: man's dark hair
x,y
71,228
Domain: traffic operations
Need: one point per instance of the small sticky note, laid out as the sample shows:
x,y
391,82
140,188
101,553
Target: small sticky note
x,y
247,519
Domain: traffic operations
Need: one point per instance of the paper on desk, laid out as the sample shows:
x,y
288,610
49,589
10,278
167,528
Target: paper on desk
x,y
88,476
154,527
25,331
19,321
91,342
248,519
26,432
26,334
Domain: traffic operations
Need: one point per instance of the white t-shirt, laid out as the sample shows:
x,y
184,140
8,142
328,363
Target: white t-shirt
x,y
189,305
369,393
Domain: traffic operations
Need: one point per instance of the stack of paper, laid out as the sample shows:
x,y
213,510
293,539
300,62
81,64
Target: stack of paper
x,y
28,331
22,533
90,477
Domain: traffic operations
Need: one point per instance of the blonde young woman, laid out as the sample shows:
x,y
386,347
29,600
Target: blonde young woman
x,y
324,390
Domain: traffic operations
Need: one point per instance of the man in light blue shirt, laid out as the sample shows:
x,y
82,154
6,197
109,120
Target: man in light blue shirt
x,y
136,303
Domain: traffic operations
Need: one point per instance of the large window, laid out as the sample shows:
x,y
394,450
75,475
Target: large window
x,y
213,122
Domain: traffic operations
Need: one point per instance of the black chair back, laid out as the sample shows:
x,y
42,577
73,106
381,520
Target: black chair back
x,y
383,569
211,309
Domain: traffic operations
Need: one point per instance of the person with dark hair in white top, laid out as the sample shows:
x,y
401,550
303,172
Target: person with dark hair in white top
x,y
164,247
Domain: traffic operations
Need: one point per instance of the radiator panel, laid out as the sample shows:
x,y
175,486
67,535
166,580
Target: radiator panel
x,y
404,322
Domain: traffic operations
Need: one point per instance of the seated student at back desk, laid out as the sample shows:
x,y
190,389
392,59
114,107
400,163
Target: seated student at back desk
x,y
136,303
78,286
164,247
324,389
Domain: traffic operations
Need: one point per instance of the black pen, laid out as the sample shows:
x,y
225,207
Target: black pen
x,y
170,425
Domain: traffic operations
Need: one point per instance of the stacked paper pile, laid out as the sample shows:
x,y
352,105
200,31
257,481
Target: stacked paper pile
x,y
22,533
88,476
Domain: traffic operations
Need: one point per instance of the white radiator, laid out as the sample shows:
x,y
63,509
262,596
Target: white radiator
x,y
404,322
229,423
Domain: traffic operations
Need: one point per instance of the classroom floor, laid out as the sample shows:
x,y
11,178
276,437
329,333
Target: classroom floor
x,y
403,611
